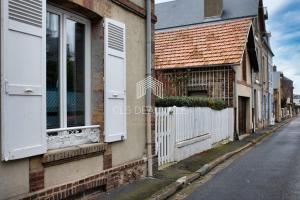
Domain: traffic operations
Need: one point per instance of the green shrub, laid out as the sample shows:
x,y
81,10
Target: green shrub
x,y
184,101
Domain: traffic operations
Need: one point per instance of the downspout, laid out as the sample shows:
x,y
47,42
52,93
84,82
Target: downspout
x,y
267,106
148,92
235,104
253,103
262,93
268,93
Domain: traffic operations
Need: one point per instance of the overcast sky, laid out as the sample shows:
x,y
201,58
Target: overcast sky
x,y
284,24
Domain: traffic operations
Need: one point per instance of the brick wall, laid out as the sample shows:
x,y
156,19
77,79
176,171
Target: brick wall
x,y
36,180
36,174
104,181
107,158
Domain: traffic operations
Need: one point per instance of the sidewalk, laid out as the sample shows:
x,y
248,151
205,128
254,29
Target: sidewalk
x,y
157,186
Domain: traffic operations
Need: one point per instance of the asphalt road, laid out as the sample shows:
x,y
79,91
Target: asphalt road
x,y
270,171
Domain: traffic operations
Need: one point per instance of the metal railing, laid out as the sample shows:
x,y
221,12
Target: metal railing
x,y
66,137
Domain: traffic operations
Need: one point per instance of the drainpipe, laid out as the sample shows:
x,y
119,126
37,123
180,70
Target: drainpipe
x,y
253,103
148,92
262,93
235,105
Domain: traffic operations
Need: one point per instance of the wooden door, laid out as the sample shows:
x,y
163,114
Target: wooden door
x,y
242,115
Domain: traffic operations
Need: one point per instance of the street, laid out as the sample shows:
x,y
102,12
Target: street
x,y
270,171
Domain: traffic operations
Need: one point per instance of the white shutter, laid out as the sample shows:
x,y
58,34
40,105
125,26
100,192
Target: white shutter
x,y
23,78
115,81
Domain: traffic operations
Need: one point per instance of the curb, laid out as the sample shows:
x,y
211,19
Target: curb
x,y
186,180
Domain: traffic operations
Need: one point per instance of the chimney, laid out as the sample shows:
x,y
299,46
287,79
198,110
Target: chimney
x,y
213,8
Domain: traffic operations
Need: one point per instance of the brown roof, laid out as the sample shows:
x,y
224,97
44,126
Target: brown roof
x,y
204,45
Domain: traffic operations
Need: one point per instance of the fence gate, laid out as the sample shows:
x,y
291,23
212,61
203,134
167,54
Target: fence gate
x,y
165,135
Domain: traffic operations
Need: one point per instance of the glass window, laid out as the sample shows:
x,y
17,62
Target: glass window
x,y
66,70
53,96
75,73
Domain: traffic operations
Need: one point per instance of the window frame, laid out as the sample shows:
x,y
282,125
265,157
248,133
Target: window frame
x,y
63,16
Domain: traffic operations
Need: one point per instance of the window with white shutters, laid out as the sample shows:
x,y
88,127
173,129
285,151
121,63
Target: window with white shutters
x,y
23,78
45,79
68,80
115,128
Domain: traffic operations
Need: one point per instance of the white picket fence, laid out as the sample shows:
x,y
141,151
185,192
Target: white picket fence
x,y
183,131
164,133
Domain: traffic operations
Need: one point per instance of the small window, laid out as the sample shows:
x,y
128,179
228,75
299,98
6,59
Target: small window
x,y
68,69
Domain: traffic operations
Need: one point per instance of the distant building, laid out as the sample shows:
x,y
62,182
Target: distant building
x,y
277,94
287,96
297,103
297,100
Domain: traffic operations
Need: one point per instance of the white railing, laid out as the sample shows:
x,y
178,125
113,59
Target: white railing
x,y
183,131
66,137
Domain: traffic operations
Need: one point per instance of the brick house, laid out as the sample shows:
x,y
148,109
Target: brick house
x,y
65,93
215,60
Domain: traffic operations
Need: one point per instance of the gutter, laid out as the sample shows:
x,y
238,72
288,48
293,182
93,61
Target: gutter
x,y
148,92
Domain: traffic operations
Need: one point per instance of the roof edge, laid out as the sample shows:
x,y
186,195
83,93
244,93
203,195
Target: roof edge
x,y
207,22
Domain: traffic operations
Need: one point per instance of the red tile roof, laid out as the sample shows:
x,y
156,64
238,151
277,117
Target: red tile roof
x,y
204,45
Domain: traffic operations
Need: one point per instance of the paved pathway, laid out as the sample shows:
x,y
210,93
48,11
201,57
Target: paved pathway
x,y
270,171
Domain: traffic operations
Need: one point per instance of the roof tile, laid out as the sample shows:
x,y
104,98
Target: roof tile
x,y
214,44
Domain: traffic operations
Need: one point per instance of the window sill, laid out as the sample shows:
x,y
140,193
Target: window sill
x,y
69,154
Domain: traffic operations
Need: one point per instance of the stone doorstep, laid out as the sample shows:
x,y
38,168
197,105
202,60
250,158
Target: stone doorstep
x,y
185,180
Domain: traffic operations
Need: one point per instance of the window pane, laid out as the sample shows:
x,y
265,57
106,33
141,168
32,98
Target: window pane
x,y
75,73
53,38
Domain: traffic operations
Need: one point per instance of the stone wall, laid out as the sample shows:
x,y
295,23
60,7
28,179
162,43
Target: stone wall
x,y
104,181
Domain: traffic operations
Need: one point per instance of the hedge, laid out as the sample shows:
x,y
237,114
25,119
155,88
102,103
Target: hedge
x,y
184,101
